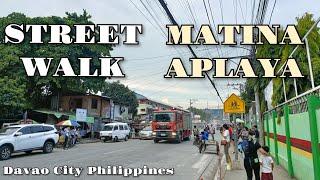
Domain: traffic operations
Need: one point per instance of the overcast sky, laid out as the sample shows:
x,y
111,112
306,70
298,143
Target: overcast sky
x,y
146,63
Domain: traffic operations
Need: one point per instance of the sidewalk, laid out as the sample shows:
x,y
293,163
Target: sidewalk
x,y
278,173
88,140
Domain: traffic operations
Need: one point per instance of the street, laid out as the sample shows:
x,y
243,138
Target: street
x,y
184,158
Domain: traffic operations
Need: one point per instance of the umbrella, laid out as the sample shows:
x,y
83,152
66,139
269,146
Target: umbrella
x,y
68,123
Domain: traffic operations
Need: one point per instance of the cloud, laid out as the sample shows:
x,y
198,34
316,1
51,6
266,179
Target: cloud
x,y
165,100
158,87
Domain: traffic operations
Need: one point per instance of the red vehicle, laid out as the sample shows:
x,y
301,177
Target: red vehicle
x,y
172,125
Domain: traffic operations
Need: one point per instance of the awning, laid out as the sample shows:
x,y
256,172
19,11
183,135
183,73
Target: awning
x,y
71,116
55,113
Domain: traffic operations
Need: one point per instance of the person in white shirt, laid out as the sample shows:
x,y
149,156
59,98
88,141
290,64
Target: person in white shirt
x,y
226,143
267,165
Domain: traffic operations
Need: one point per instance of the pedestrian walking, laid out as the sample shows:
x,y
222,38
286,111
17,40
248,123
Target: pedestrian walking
x,y
66,138
231,134
267,165
251,160
256,133
212,131
226,143
244,134
73,133
195,131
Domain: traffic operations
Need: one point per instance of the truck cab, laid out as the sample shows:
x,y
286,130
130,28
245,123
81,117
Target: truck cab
x,y
171,125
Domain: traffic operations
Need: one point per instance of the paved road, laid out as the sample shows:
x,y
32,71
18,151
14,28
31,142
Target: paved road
x,y
184,158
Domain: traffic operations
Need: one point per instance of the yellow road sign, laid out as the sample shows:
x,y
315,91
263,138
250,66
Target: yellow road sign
x,y
234,104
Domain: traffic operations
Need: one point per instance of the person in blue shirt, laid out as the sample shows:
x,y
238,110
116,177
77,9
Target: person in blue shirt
x,y
204,137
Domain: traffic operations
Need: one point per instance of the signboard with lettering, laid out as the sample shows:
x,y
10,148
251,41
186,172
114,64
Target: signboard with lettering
x,y
234,104
81,115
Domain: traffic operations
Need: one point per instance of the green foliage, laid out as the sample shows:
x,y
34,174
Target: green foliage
x,y
121,94
12,92
248,94
23,89
304,23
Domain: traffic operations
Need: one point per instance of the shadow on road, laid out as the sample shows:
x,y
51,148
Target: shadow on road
x,y
24,154
171,142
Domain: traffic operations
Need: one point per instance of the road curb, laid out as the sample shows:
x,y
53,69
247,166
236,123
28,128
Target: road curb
x,y
222,168
215,170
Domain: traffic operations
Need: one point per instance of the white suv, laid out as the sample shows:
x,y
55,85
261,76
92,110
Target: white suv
x,y
27,137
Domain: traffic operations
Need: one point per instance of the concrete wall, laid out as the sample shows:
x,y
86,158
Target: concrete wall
x,y
299,126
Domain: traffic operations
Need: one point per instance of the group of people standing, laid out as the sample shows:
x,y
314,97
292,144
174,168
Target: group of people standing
x,y
70,135
249,145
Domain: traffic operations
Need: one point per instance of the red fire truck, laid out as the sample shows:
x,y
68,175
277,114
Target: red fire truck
x,y
172,125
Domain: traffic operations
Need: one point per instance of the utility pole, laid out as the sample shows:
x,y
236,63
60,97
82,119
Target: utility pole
x,y
257,100
240,89
258,114
191,101
207,113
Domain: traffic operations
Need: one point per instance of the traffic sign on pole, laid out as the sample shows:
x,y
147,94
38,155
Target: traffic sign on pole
x,y
234,104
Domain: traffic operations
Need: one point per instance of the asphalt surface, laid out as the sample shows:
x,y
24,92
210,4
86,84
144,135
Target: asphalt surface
x,y
184,158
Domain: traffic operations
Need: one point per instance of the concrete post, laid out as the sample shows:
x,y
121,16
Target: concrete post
x,y
313,104
268,130
288,140
275,137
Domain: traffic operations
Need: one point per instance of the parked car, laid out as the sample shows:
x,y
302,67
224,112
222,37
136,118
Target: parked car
x,y
146,133
115,132
26,138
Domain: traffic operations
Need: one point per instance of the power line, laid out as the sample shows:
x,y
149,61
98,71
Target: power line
x,y
244,19
253,8
145,16
192,15
205,6
161,56
274,4
173,21
152,16
221,12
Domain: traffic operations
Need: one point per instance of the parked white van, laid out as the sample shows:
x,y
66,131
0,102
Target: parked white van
x,y
115,131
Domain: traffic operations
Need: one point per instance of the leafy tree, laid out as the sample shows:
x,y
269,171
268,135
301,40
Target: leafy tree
x,y
30,92
304,23
12,96
121,94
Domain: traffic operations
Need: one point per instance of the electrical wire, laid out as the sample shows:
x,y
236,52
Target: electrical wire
x,y
274,4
